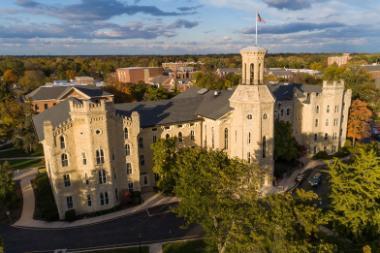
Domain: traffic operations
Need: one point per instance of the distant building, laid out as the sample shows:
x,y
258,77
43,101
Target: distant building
x,y
137,74
285,73
222,72
84,80
339,60
45,97
374,71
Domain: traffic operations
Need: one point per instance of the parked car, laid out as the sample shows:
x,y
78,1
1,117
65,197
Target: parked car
x,y
300,177
316,179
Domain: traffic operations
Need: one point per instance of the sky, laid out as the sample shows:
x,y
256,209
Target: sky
x,y
134,27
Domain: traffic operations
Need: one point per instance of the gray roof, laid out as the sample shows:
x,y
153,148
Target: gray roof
x,y
286,91
56,115
55,92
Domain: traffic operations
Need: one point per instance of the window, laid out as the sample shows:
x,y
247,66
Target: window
x,y
282,112
141,142
334,136
335,122
264,146
180,139
66,180
336,109
116,194
317,109
87,182
333,148
328,109
99,156
154,139
129,169
212,137
249,137
98,131
315,137
142,160
69,202
226,138
249,157
145,177
64,160
316,122
249,116
106,200
192,135
265,116
102,199
89,201
102,176
130,186
126,134
84,160
326,136
62,142
327,122
46,106
288,111
127,150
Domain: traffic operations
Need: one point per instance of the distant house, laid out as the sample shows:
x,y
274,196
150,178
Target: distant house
x,y
45,97
339,60
137,74
374,71
84,80
222,72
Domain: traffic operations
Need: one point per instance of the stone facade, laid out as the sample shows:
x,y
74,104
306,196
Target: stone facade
x,y
98,150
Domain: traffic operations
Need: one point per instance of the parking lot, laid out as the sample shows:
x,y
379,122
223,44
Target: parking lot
x,y
322,189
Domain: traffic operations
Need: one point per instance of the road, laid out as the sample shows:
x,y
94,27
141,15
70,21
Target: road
x,y
134,229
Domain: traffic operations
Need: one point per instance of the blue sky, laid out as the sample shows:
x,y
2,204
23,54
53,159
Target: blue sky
x,y
51,27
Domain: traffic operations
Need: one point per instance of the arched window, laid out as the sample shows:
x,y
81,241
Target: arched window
x,y
64,160
99,156
288,111
265,116
126,134
317,109
328,109
127,150
192,135
282,112
249,157
180,139
315,137
264,146
102,176
226,138
316,122
62,142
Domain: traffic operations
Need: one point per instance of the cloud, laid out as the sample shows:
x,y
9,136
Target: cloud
x,y
95,10
190,8
182,23
294,28
291,4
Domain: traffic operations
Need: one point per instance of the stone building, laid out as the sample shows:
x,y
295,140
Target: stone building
x,y
137,74
94,151
339,60
45,97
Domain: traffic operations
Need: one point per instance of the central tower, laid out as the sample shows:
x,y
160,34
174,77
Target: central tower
x,y
253,65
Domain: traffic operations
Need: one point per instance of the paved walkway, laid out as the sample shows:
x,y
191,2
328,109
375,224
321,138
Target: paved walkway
x,y
155,248
26,220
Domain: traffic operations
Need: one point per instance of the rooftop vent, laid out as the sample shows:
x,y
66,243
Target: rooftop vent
x,y
202,91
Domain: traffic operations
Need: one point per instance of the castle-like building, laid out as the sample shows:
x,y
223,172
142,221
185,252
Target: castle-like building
x,y
96,150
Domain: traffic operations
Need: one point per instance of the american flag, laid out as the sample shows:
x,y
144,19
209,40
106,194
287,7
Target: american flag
x,y
260,19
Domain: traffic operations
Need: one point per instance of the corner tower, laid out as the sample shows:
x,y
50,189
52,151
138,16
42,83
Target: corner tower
x,y
253,65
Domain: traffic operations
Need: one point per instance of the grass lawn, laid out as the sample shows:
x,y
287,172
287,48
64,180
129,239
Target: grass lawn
x,y
185,247
127,250
45,204
14,152
25,163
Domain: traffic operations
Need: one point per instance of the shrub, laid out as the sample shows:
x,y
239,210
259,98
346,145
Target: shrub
x,y
46,208
136,198
321,155
70,215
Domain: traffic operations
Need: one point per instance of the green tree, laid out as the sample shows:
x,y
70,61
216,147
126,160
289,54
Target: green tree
x,y
355,194
286,147
7,186
154,93
213,190
164,158
1,246
32,79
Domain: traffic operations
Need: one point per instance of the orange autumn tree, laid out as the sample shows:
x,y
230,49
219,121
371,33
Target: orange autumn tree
x,y
358,121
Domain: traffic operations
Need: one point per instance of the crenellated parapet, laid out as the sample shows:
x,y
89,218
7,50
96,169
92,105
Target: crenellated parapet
x,y
63,127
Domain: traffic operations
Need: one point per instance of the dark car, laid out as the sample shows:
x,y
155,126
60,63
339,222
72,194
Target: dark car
x,y
316,179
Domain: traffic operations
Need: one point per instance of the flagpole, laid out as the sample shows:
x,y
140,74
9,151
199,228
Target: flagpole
x,y
256,27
